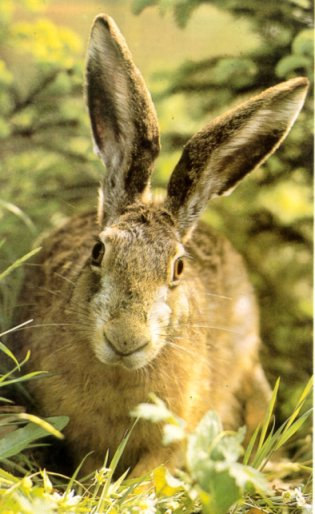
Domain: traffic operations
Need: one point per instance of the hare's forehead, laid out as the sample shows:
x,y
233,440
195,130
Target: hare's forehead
x,y
137,239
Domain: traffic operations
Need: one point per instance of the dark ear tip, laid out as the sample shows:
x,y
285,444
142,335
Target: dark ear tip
x,y
298,83
103,20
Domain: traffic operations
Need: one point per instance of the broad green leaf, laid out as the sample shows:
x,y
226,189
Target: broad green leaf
x,y
303,44
248,478
290,63
139,5
17,441
200,441
222,491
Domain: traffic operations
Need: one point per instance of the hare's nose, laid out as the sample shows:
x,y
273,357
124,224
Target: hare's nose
x,y
123,345
126,353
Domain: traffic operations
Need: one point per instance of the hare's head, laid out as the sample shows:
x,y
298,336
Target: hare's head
x,y
138,260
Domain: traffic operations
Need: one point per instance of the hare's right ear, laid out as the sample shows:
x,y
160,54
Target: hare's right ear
x,y
123,118
220,155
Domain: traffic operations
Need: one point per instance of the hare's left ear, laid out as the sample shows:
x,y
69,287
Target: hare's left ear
x,y
220,155
123,118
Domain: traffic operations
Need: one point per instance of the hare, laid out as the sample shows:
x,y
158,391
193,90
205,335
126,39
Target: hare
x,y
144,297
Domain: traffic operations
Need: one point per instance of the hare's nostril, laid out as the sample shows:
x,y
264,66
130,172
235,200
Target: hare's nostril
x,y
124,349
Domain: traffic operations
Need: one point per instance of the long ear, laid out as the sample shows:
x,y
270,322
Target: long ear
x,y
219,156
123,118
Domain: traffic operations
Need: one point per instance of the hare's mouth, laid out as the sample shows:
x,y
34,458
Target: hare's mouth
x,y
125,353
131,359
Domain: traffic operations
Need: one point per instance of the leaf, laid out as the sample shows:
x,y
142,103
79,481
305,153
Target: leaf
x,y
165,484
200,441
229,447
139,5
222,491
17,441
303,44
48,427
247,477
290,63
149,411
173,433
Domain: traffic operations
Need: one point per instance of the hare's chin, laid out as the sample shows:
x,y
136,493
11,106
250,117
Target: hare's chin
x,y
134,361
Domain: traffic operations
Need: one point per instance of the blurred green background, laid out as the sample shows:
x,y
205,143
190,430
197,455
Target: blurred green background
x,y
199,57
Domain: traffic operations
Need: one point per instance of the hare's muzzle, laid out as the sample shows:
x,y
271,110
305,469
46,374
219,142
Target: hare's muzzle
x,y
125,348
126,342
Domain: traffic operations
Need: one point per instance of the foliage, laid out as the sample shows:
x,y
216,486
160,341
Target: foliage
x,y
14,440
270,215
40,145
214,471
214,481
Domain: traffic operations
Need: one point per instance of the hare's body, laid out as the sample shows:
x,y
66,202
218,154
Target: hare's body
x,y
116,314
209,362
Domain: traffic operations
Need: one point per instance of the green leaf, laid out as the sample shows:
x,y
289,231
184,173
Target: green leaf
x,y
247,477
303,44
290,63
17,441
139,5
200,441
222,492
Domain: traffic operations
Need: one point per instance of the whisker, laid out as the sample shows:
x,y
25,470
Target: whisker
x,y
181,348
212,327
16,328
41,325
219,296
66,279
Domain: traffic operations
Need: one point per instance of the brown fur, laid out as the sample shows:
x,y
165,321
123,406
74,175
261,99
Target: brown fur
x,y
112,332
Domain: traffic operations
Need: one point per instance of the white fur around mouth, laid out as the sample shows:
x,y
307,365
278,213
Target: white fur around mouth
x,y
133,361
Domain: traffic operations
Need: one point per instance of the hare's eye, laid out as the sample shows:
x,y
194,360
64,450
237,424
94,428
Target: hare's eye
x,y
97,253
178,268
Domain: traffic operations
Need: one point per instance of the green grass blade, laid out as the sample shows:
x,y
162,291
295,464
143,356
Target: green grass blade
x,y
263,452
9,354
113,465
28,376
18,263
250,445
292,429
308,388
75,474
4,377
19,214
267,419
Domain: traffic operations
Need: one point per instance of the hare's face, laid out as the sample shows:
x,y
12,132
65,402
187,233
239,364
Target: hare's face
x,y
138,261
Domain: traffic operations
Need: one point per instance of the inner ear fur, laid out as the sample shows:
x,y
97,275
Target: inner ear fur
x,y
123,118
215,159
